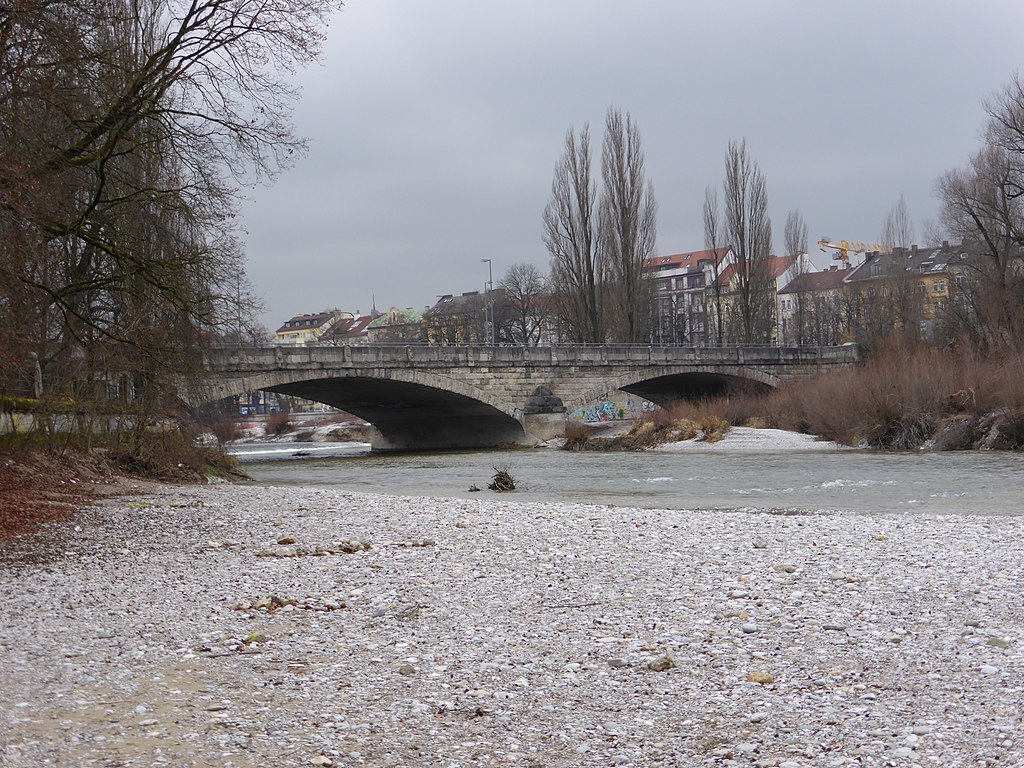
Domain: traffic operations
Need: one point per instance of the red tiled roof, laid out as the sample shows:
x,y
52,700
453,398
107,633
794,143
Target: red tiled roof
x,y
777,265
686,260
348,328
727,274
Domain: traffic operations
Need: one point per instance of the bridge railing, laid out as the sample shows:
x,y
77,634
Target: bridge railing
x,y
390,355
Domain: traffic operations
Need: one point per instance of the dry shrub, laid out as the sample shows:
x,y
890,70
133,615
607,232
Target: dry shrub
x,y
1003,430
278,423
903,397
337,417
171,455
644,433
708,418
666,415
956,433
986,385
896,400
576,436
647,432
684,429
688,410
225,429
740,406
713,428
645,428
1011,382
818,406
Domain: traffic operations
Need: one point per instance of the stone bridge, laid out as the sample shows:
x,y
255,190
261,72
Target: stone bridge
x,y
422,398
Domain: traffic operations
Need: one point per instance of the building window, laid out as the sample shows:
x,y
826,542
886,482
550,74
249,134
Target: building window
x,y
939,286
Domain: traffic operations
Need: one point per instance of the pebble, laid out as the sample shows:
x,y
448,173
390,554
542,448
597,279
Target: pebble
x,y
514,639
661,664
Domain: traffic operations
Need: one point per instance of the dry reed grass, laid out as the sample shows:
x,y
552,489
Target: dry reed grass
x,y
899,399
278,423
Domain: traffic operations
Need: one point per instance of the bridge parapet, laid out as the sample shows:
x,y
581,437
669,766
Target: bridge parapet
x,y
305,358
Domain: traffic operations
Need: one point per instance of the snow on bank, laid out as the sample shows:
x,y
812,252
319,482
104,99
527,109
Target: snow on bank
x,y
756,440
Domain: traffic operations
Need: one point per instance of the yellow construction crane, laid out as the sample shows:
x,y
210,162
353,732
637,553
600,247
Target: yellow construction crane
x,y
843,248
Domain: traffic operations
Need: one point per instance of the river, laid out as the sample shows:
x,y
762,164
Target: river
x,y
765,479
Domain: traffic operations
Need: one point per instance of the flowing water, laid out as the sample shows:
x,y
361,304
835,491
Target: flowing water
x,y
805,481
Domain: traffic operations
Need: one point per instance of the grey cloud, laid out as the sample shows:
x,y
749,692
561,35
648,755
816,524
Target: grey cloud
x,y
435,126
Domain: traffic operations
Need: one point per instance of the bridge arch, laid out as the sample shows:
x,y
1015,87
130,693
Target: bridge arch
x,y
276,380
664,384
410,409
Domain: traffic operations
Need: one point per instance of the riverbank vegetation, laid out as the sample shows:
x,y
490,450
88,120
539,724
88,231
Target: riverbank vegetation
x,y
899,399
128,129
45,478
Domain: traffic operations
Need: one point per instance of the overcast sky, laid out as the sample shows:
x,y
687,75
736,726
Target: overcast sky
x,y
434,127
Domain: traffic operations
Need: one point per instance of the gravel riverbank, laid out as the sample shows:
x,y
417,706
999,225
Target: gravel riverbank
x,y
183,627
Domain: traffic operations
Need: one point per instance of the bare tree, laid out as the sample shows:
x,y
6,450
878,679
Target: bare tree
x,y
795,236
795,233
898,229
983,207
572,239
523,287
126,126
712,242
749,229
1005,130
628,225
933,235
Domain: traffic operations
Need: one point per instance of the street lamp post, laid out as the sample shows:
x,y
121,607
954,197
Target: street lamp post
x,y
488,306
